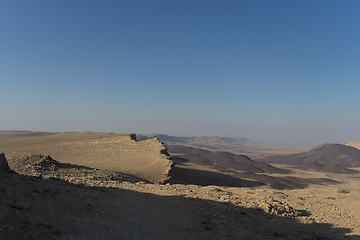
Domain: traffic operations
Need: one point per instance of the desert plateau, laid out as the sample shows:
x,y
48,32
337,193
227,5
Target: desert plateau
x,y
179,120
86,185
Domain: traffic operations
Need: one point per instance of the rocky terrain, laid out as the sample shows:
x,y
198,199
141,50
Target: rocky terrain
x,y
116,152
60,201
44,198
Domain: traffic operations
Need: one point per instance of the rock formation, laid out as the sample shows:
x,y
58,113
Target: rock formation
x,y
4,167
148,159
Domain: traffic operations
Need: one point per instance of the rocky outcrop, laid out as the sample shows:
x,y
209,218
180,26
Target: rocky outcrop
x,y
148,159
4,167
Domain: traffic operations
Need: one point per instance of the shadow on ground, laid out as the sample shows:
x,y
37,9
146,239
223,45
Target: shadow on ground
x,y
206,178
185,175
36,208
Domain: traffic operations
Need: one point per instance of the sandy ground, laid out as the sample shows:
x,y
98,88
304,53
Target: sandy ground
x,y
355,144
257,151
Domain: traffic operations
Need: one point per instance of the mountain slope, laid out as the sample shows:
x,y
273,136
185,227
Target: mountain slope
x,y
334,158
202,142
229,162
180,149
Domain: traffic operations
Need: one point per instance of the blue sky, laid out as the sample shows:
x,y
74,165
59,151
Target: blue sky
x,y
281,71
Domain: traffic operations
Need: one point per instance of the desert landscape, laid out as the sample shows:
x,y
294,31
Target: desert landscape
x,y
122,186
184,120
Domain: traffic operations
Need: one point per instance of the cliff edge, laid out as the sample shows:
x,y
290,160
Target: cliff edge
x,y
148,159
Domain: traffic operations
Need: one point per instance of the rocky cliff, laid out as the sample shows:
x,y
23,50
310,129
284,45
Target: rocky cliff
x,y
148,159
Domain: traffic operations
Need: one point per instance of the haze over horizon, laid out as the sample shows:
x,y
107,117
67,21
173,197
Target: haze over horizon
x,y
270,71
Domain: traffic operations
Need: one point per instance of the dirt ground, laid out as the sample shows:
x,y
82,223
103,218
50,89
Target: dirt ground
x,y
48,199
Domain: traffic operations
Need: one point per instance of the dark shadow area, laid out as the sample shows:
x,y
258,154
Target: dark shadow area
x,y
206,178
179,160
225,161
34,208
181,174
286,182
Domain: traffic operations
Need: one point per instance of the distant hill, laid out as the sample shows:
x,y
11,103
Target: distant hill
x,y
334,158
11,134
229,162
180,149
202,142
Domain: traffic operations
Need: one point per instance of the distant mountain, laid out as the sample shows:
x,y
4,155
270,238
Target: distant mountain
x,y
11,134
229,162
334,158
202,142
180,149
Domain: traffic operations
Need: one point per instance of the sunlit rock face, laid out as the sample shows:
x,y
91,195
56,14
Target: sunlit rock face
x,y
148,159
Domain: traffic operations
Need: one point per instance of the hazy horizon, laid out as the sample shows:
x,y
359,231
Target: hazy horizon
x,y
271,142
271,71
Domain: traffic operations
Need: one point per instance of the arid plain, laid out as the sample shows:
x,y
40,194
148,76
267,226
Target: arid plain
x,y
122,186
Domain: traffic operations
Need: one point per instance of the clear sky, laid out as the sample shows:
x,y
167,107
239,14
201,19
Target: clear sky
x,y
281,71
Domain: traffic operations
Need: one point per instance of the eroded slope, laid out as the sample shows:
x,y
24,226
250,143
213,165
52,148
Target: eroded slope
x,y
148,160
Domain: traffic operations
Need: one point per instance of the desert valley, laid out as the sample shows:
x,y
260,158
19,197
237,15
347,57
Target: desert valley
x,y
88,185
179,120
